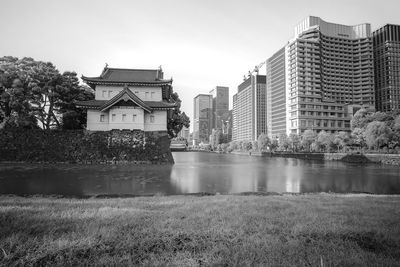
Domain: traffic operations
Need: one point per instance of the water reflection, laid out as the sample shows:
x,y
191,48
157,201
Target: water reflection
x,y
200,172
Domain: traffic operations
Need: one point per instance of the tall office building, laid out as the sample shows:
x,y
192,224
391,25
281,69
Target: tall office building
x,y
249,109
220,106
276,94
329,75
202,121
386,42
184,133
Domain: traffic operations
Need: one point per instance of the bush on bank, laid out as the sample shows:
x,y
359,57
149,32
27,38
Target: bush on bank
x,y
80,146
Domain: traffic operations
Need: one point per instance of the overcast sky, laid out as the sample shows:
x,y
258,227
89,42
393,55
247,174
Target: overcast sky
x,y
200,44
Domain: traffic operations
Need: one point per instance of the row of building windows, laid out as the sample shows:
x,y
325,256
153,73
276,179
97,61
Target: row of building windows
x,y
124,118
320,123
111,93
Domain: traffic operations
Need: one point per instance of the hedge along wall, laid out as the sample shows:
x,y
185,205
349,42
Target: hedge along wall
x,y
80,146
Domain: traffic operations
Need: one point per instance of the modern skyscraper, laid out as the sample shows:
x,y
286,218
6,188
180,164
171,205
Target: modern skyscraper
x,y
202,121
329,74
386,42
276,94
220,106
249,109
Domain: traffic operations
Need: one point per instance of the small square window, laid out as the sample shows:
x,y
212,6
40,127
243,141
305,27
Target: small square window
x,y
123,117
134,117
152,118
152,95
147,95
113,117
102,118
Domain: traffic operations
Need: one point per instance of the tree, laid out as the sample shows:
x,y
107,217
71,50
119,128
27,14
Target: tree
x,y
341,139
396,132
357,137
69,92
254,145
15,108
308,138
176,119
294,141
360,119
324,140
263,142
246,145
216,138
274,144
36,89
283,142
377,134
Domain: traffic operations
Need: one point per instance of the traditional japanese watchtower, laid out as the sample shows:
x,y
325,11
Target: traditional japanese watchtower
x,y
132,99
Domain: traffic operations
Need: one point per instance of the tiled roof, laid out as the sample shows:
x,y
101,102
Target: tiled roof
x,y
103,104
128,76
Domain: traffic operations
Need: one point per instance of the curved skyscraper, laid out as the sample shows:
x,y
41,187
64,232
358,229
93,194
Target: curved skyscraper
x,y
329,75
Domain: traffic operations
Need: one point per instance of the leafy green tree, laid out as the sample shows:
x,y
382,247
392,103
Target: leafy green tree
x,y
294,141
341,140
246,145
37,91
176,118
395,142
357,137
324,140
360,119
263,142
254,145
274,144
283,142
15,108
307,139
377,134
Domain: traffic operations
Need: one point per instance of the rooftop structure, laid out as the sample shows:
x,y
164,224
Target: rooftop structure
x,y
132,99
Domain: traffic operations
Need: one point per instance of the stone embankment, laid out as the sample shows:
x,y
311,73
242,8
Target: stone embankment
x,y
80,146
391,159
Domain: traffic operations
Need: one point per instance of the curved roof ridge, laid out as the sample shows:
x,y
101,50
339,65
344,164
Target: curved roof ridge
x,y
135,99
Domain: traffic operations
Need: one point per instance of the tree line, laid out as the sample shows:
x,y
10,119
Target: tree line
x,y
373,131
35,94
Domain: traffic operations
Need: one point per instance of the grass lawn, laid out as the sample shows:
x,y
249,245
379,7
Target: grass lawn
x,y
229,230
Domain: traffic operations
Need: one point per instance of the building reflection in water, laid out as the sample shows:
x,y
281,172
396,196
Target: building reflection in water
x,y
196,172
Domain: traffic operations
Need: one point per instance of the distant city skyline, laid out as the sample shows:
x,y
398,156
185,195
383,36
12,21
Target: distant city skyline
x,y
200,44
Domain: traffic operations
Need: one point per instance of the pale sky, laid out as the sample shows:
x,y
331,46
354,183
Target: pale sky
x,y
201,44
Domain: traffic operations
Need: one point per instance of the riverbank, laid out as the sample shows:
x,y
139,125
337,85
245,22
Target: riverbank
x,y
388,159
285,230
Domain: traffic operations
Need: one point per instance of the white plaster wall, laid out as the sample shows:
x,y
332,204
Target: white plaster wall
x,y
138,124
93,120
142,120
160,121
153,93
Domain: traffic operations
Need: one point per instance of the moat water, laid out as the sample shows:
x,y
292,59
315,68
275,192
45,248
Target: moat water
x,y
195,172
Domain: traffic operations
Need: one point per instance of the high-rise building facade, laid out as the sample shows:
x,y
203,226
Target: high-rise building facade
x,y
276,94
249,109
329,71
202,121
386,42
184,133
220,114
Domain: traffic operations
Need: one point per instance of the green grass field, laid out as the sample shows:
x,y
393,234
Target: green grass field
x,y
227,230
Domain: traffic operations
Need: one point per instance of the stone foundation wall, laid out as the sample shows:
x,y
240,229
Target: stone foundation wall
x,y
391,159
80,146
